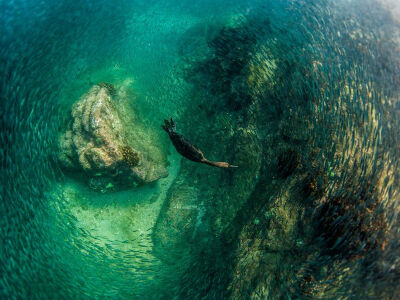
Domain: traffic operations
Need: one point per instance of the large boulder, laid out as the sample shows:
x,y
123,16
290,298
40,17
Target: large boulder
x,y
97,142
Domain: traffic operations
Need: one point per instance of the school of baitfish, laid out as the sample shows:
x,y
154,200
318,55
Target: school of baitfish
x,y
302,96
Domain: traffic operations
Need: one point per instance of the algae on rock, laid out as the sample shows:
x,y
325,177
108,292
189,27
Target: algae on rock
x,y
100,142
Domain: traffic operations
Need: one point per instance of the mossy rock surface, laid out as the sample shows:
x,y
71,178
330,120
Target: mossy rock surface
x,y
99,143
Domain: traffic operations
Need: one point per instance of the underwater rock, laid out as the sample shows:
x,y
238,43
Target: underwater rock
x,y
97,144
307,203
226,73
287,163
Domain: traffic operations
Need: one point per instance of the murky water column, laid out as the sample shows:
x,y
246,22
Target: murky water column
x,y
302,96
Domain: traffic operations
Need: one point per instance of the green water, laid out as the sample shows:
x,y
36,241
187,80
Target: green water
x,y
303,96
120,223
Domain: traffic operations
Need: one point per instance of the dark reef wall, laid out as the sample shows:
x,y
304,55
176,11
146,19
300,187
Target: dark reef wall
x,y
303,106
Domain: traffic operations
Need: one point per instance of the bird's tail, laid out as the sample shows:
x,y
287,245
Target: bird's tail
x,y
218,164
169,126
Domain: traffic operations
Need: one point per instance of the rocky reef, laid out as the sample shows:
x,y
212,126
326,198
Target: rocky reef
x,y
307,208
98,142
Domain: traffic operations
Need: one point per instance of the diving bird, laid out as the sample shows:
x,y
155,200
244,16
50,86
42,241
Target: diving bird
x,y
187,149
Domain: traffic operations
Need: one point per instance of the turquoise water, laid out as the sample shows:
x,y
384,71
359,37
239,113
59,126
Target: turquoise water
x,y
303,96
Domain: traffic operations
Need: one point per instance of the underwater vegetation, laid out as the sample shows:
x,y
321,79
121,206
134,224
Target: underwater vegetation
x,y
310,220
130,156
303,96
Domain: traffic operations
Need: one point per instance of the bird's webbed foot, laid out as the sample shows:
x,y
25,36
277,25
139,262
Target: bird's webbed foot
x,y
169,126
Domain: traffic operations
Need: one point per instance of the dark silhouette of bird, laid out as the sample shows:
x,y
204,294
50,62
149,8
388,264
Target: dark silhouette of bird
x,y
187,149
